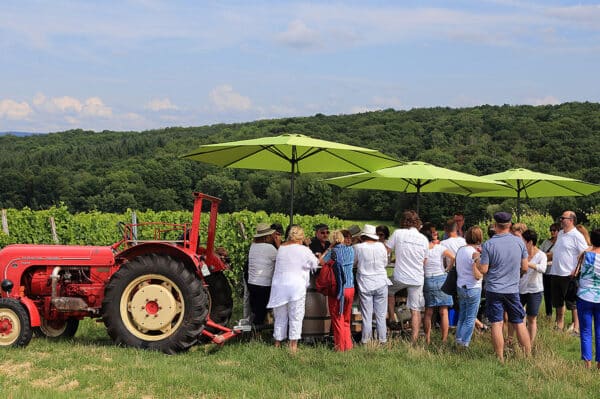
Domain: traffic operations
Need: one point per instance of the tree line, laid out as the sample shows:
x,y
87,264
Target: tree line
x,y
113,171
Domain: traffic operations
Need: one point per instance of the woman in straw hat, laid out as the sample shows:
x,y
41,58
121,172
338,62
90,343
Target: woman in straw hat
x,y
261,264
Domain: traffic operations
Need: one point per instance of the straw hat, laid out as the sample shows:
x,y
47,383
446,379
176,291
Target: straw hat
x,y
263,229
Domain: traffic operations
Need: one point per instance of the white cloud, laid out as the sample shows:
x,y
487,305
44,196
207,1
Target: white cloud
x,y
298,35
548,100
39,99
66,104
11,109
225,99
132,116
160,104
95,107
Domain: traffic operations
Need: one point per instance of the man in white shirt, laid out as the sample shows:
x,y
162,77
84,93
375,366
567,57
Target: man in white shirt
x,y
410,248
453,241
569,244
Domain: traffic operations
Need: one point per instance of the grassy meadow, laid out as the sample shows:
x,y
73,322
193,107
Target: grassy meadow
x,y
90,366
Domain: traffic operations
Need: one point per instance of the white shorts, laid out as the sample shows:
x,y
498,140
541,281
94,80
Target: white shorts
x,y
415,299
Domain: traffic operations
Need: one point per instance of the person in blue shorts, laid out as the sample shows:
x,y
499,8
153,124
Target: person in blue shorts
x,y
503,258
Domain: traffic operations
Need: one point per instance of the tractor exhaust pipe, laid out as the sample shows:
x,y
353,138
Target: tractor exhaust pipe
x,y
54,277
65,304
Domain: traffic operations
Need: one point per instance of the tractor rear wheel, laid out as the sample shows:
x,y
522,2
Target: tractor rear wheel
x,y
154,302
57,329
221,301
15,326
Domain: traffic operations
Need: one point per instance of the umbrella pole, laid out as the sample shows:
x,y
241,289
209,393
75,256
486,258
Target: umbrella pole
x,y
418,197
292,194
518,201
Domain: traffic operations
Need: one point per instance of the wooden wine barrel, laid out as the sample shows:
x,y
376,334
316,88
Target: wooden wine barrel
x,y
317,322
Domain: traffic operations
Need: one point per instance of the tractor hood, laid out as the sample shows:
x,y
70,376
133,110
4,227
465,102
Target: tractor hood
x,y
65,255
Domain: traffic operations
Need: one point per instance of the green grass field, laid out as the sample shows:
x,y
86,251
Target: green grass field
x,y
90,366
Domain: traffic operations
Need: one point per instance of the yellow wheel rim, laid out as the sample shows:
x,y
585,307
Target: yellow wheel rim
x,y
52,329
10,327
152,307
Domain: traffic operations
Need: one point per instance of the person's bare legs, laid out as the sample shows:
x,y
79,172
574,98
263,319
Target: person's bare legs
x,y
293,345
532,328
510,331
523,337
560,318
278,344
415,324
575,320
498,339
392,309
444,323
427,324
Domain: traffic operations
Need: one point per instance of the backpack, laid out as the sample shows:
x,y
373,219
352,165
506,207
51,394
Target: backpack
x,y
325,282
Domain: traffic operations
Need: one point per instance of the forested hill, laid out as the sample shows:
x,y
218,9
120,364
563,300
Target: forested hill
x,y
113,171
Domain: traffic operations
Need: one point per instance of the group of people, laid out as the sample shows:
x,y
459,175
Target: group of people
x,y
279,273
508,270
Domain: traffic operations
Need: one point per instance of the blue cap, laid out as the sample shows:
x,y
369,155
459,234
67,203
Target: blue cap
x,y
502,217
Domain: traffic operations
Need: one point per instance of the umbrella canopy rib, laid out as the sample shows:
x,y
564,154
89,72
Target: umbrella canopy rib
x,y
464,187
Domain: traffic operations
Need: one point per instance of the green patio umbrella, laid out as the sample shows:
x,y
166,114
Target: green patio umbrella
x,y
417,177
524,183
294,153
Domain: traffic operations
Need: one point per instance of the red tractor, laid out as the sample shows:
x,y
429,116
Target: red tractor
x,y
159,294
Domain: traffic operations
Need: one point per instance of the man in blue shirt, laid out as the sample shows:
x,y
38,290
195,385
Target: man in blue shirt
x,y
503,258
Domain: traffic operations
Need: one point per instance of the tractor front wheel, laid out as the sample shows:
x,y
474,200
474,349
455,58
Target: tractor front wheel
x,y
154,302
221,301
57,329
15,327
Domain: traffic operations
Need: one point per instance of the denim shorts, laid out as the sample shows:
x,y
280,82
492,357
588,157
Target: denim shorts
x,y
532,302
433,294
496,304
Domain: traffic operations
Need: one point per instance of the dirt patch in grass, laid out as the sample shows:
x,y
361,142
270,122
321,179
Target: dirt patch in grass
x,y
12,369
69,386
47,382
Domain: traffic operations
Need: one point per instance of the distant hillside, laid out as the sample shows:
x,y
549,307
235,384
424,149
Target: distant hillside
x,y
113,171
18,134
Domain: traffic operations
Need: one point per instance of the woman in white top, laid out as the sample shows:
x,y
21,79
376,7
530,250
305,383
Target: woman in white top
x,y
531,285
435,276
261,263
288,288
468,285
371,258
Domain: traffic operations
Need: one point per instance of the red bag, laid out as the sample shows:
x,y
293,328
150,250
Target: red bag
x,y
325,283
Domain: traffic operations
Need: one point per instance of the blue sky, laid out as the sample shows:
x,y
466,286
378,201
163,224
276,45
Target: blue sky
x,y
147,64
